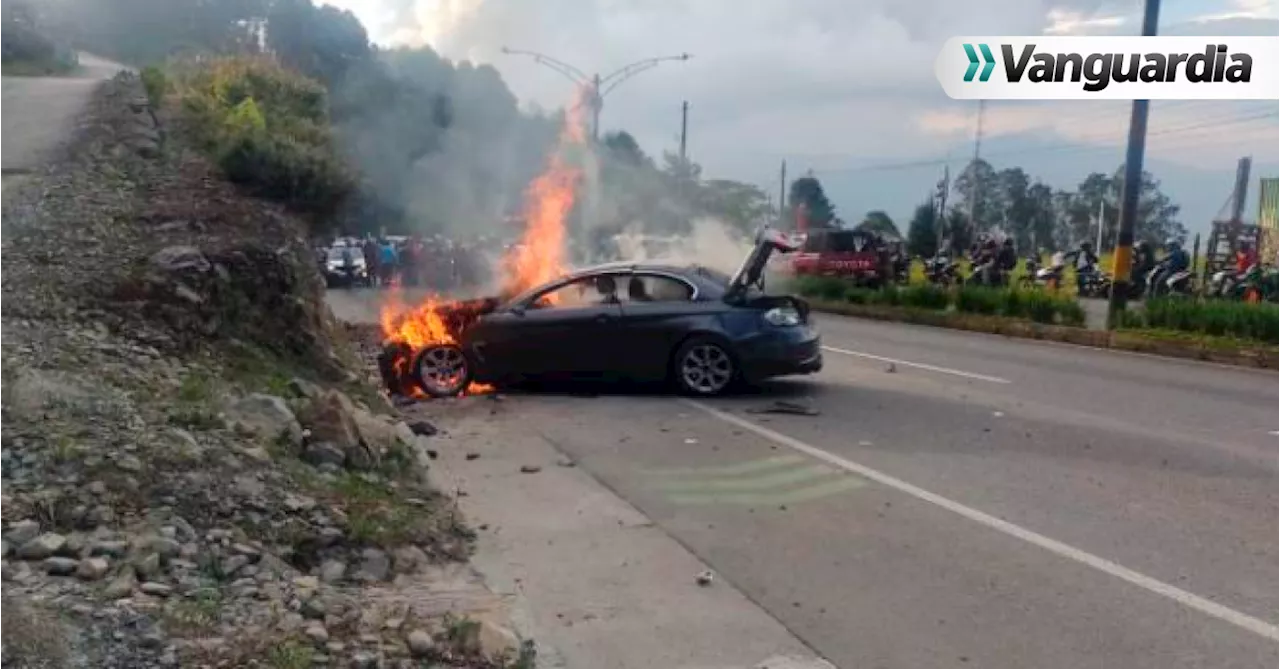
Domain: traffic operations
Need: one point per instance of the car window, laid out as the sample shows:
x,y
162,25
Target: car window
x,y
655,288
584,292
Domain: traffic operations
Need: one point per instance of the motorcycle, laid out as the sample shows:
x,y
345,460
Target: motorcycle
x,y
1255,284
1093,282
1178,283
1050,277
942,271
985,274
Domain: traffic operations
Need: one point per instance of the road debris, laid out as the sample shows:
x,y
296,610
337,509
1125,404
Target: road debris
x,y
704,578
782,406
890,368
690,441
473,456
423,428
566,461
530,469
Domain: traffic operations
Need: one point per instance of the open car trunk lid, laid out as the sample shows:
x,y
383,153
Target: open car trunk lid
x,y
752,267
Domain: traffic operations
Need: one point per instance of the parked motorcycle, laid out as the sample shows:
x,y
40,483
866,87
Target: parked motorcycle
x,y
1255,284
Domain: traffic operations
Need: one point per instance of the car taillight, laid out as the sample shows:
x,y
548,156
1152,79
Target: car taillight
x,y
782,316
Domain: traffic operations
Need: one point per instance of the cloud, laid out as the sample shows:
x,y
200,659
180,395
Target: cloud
x,y
1243,9
1066,22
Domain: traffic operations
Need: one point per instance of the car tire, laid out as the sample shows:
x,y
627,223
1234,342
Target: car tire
x,y
442,370
704,367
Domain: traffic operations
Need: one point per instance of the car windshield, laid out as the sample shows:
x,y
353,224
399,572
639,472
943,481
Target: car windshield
x,y
720,278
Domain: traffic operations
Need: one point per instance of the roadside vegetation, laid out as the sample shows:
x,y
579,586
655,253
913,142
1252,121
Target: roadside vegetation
x,y
1021,303
1215,318
26,51
265,126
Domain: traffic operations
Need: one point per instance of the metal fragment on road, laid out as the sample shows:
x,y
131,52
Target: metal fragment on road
x,y
784,407
704,578
530,469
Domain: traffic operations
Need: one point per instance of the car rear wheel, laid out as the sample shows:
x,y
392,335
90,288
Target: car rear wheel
x,y
442,370
704,367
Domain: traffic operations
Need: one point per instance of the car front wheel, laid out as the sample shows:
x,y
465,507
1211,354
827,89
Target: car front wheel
x,y
704,367
442,370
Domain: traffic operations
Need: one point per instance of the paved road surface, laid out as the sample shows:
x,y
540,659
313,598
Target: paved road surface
x,y
990,502
39,112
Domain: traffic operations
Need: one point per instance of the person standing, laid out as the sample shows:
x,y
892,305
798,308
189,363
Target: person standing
x,y
371,259
387,260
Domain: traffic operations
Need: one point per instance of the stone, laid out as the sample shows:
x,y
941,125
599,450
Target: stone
x,y
317,633
42,546
5,549
147,565
110,548
156,589
407,559
92,568
15,572
297,503
232,564
496,641
267,417
313,608
164,546
180,259
329,417
121,586
332,571
97,488
60,566
423,428
301,387
420,642
364,659
22,532
129,463
324,453
374,566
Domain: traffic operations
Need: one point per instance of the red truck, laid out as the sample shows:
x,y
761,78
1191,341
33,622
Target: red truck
x,y
852,254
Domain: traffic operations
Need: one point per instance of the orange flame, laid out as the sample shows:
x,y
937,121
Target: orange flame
x,y
538,258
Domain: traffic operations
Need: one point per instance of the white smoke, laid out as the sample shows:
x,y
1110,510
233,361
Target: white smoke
x,y
711,243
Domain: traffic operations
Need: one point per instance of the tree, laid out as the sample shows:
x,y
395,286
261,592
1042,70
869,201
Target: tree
x,y
922,233
879,222
743,205
979,194
806,192
624,148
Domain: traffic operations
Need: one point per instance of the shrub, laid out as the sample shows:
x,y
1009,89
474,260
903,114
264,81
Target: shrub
x,y
978,300
1218,318
266,126
924,296
1012,303
1069,311
860,295
889,296
153,80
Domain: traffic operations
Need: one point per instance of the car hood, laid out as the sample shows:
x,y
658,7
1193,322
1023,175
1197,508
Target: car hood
x,y
753,266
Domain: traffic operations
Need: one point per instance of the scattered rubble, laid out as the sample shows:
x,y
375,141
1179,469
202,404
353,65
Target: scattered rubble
x,y
785,407
194,474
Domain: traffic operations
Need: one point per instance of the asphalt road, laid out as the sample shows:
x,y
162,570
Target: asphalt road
x,y
967,500
40,112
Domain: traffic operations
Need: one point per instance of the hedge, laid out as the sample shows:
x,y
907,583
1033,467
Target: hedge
x,y
1219,318
1021,303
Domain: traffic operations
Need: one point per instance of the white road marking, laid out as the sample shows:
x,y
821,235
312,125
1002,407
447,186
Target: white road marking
x,y
1242,620
918,365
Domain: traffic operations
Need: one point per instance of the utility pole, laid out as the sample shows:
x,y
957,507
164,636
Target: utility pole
x,y
1102,217
596,87
1131,187
684,129
782,194
940,220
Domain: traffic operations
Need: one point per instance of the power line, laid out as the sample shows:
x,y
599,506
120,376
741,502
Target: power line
x,y
1080,145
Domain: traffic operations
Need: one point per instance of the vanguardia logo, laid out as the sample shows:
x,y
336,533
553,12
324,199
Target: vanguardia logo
x,y
1069,67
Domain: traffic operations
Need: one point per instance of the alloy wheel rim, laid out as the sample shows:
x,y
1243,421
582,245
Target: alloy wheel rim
x,y
443,369
706,368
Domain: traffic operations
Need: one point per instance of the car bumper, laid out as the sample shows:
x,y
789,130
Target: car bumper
x,y
782,352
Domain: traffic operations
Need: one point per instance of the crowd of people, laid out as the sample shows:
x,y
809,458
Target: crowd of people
x,y
433,262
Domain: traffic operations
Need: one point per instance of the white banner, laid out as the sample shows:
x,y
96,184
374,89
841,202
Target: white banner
x,y
1110,68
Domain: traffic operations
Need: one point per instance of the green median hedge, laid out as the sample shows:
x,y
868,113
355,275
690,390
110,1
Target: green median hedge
x,y
1030,304
1219,318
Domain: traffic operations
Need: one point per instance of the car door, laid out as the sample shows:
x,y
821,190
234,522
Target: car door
x,y
658,310
567,330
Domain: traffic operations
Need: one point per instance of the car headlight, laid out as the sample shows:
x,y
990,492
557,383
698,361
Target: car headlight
x,y
782,316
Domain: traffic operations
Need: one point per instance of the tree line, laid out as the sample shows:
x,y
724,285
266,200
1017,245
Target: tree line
x,y
1010,203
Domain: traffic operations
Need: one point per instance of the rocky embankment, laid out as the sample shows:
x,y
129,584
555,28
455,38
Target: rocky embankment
x,y
197,471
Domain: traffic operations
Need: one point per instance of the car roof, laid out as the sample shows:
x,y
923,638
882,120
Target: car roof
x,y
631,266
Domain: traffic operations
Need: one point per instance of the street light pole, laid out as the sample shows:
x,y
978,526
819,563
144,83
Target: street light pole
x,y
596,86
1131,187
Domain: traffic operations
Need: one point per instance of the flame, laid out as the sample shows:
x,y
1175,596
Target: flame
x,y
539,257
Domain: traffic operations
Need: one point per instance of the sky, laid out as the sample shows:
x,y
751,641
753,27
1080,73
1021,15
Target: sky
x,y
845,88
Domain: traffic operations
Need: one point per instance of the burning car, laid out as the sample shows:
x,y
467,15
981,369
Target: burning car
x,y
698,328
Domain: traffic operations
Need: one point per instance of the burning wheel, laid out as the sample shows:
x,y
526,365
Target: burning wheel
x,y
442,370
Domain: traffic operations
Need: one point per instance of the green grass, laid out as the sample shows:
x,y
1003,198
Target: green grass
x,y
290,655
1216,318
